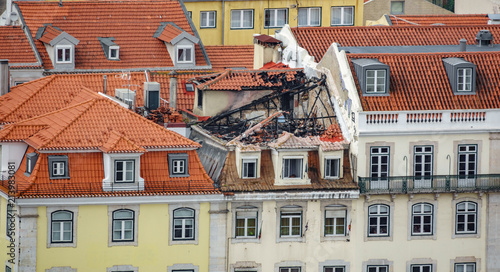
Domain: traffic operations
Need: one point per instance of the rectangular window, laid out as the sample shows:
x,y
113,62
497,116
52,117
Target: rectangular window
x,y
114,52
332,167
207,19
64,54
342,16
397,7
422,166
124,170
422,219
246,224
185,54
375,81
378,220
275,17
334,269
465,267
378,268
464,80
309,16
289,269
467,165
292,168
249,168
200,99
58,167
31,159
421,268
291,224
178,164
241,18
335,220
189,87
379,167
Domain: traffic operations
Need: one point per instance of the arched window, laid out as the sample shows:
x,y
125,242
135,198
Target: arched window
x,y
466,217
183,224
378,220
422,219
62,227
123,225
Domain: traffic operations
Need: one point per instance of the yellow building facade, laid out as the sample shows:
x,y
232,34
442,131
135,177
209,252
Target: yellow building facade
x,y
235,22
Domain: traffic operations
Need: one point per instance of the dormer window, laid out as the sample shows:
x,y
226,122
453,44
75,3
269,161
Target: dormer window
x,y
114,52
58,167
373,76
64,54
31,159
178,165
124,171
185,54
249,168
189,87
292,167
332,168
461,75
110,48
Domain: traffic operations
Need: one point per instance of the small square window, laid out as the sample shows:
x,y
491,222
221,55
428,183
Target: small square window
x,y
421,268
465,267
292,168
178,165
114,53
189,87
375,81
185,54
58,167
397,7
249,168
64,54
378,268
208,19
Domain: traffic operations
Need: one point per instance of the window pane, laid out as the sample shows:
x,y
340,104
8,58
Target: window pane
x,y
336,16
123,215
247,18
183,213
235,18
62,216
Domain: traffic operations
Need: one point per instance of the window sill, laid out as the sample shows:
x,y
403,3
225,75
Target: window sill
x,y
245,240
59,177
183,242
241,28
52,244
339,238
300,239
179,175
378,238
422,237
209,27
124,243
466,235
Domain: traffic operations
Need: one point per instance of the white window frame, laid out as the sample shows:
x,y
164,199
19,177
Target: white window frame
x,y
117,49
336,212
421,267
274,12
62,223
244,171
464,267
183,57
378,215
336,268
466,84
238,14
245,216
465,214
376,88
423,161
289,216
284,165
183,224
309,10
343,16
380,179
206,23
179,166
290,269
377,268
119,226
422,215
327,167
124,171
58,168
464,159
64,48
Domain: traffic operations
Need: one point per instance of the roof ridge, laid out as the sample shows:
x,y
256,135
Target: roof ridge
x,y
216,79
119,138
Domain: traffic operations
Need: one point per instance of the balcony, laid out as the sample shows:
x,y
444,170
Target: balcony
x,y
434,184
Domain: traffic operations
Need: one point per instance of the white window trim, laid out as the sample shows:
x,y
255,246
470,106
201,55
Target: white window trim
x,y
246,266
342,15
455,234
125,171
284,264
325,205
118,268
390,235
375,81
421,261
108,183
183,225
378,262
468,259
241,12
422,199
309,9
249,160
52,209
329,263
117,48
422,214
339,166
246,206
341,208
292,158
63,47
275,23
113,208
461,72
178,47
291,206
207,23
171,209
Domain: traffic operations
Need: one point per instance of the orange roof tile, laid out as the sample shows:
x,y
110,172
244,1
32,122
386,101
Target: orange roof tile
x,y
118,143
15,47
420,82
169,33
446,19
317,40
89,125
230,56
247,79
49,34
87,20
54,92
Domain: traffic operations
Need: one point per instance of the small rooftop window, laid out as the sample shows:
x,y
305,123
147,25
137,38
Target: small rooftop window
x,y
373,76
189,87
461,75
110,48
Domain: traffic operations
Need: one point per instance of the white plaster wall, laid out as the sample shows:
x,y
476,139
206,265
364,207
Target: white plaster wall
x,y
12,152
476,7
247,155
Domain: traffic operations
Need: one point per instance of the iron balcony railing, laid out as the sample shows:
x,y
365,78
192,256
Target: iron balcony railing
x,y
431,184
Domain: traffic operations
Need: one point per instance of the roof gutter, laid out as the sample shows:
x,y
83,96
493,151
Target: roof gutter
x,y
27,32
76,71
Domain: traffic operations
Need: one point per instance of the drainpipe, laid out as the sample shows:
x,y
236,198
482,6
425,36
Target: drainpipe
x,y
4,77
8,12
105,84
173,89
223,18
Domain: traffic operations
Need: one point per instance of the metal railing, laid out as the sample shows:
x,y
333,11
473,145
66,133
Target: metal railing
x,y
430,184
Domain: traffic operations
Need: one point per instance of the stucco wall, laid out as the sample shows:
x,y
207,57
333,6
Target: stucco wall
x,y
375,9
476,6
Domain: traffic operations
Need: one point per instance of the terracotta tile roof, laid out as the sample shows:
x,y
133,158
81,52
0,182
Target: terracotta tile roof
x,y
290,141
230,56
272,66
86,172
446,19
15,47
131,23
246,79
420,82
54,92
89,125
317,40
230,182
169,33
49,33
118,143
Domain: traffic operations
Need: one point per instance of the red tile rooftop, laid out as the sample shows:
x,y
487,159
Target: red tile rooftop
x,y
420,82
49,34
87,20
446,19
317,40
15,47
225,57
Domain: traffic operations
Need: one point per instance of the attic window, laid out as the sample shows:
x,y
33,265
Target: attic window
x,y
185,54
373,76
114,52
31,159
58,167
189,87
461,75
64,54
110,48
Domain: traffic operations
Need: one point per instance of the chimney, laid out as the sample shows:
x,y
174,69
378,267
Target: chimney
x,y
105,84
173,90
484,37
265,50
60,3
463,45
4,77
